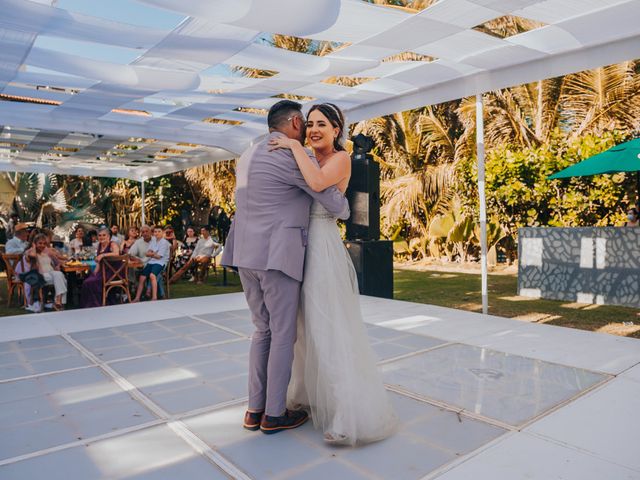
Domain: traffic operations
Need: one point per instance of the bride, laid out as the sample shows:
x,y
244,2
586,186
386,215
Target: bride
x,y
334,368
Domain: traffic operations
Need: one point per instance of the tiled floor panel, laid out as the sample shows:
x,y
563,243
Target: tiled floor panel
x,y
164,398
52,410
149,338
36,356
414,451
506,388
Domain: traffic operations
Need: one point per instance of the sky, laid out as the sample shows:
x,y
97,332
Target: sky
x,y
125,11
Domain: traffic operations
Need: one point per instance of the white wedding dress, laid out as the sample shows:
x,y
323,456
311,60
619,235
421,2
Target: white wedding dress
x,y
334,369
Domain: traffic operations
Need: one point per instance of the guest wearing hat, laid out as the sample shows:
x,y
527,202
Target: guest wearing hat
x,y
18,244
11,225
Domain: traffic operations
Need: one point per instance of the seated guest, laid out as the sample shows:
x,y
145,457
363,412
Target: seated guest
x,y
189,243
632,218
75,245
170,236
115,235
93,239
17,245
132,236
91,292
158,253
39,256
19,242
57,255
139,249
201,255
14,220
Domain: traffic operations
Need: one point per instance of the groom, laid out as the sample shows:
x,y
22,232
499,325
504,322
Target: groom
x,y
267,244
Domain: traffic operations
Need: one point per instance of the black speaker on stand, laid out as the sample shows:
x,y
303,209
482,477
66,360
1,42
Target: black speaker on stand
x,y
372,257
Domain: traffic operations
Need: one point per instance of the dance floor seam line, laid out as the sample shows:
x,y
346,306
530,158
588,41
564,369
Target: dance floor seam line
x,y
122,382
84,441
221,327
626,370
582,393
45,374
469,456
212,455
577,448
450,408
175,350
412,354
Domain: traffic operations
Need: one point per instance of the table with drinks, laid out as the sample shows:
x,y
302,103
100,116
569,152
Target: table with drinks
x,y
80,265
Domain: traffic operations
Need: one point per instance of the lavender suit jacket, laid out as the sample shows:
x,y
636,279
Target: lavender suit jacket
x,y
269,229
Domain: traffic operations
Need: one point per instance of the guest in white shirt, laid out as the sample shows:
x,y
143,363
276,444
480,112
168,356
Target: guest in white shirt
x,y
141,246
206,248
75,245
158,253
47,268
18,244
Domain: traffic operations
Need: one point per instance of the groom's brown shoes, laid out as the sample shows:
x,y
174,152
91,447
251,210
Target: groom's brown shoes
x,y
252,420
290,419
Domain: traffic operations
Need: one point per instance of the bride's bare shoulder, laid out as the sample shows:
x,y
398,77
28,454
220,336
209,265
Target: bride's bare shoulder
x,y
340,157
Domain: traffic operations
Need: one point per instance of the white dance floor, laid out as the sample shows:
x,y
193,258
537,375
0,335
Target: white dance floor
x,y
157,391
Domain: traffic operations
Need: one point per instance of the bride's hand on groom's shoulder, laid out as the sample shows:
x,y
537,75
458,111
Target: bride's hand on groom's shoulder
x,y
281,142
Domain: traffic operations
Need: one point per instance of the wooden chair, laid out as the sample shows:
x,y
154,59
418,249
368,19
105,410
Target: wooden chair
x,y
14,284
44,293
167,272
206,267
166,276
211,265
115,275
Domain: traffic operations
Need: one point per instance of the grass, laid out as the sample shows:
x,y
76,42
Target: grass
x,y
454,290
463,291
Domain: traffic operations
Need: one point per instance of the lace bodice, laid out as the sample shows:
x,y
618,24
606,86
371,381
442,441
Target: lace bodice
x,y
318,211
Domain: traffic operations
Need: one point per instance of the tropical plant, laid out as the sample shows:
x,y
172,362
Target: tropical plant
x,y
415,172
44,200
214,182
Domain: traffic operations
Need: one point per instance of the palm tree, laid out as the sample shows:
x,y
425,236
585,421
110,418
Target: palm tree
x,y
214,182
415,153
48,201
602,99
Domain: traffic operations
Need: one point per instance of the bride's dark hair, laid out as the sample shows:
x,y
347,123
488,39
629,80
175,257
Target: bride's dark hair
x,y
335,116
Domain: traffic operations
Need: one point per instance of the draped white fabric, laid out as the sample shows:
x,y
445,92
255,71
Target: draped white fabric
x,y
183,75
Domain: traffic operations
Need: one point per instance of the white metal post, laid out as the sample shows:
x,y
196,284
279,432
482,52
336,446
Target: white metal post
x,y
143,213
483,202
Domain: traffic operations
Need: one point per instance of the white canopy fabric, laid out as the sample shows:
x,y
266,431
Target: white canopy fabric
x,y
86,95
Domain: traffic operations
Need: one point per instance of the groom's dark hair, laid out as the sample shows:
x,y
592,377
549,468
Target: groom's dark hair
x,y
281,111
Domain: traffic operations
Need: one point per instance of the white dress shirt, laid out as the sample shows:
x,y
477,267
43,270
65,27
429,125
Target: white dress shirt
x,y
15,245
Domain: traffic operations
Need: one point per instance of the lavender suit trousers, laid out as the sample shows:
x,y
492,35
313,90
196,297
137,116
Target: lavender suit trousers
x,y
273,299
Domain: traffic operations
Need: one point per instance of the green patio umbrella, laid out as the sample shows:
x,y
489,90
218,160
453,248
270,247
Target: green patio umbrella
x,y
621,158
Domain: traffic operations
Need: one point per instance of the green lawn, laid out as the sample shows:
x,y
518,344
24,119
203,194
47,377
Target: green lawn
x,y
454,290
462,291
